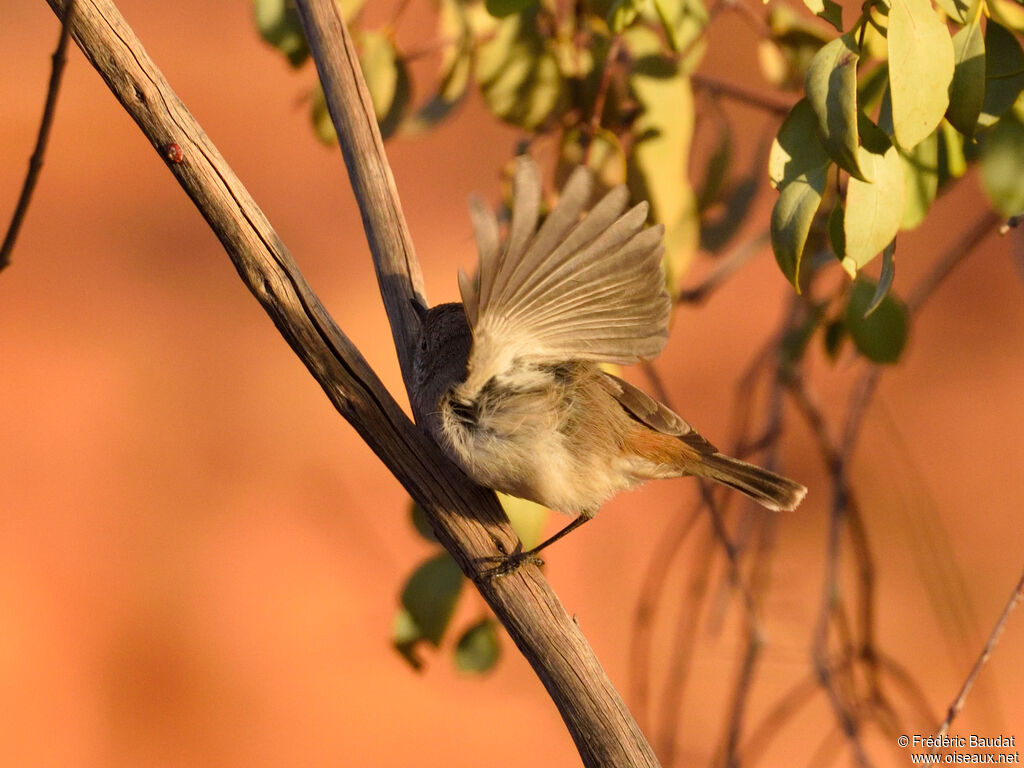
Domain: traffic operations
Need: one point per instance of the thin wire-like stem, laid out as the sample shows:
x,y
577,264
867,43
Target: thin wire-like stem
x,y
986,653
35,163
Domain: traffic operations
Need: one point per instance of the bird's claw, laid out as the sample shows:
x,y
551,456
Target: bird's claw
x,y
510,563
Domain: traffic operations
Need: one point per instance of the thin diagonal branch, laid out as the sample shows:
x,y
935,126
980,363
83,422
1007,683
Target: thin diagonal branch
x,y
986,652
35,163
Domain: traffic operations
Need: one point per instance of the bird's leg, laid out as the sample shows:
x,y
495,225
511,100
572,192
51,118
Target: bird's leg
x,y
513,561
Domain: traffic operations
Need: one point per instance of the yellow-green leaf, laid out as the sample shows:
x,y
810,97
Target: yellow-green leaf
x,y
379,62
874,210
920,69
967,91
797,148
519,77
791,221
659,169
832,93
527,518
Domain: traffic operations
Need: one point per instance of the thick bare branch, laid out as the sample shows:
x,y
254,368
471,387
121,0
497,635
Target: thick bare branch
x,y
468,520
348,100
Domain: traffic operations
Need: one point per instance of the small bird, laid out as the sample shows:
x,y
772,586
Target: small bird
x,y
508,382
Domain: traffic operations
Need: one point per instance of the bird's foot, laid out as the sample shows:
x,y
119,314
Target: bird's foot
x,y
510,563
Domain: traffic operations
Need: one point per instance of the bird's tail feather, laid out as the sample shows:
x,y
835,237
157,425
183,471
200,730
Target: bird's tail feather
x,y
766,488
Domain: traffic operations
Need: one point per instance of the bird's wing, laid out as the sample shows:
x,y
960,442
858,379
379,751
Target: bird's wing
x,y
655,415
576,288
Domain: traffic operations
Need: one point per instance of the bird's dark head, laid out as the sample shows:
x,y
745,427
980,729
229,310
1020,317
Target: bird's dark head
x,y
441,355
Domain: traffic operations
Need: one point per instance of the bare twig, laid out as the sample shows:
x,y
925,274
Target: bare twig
x,y
985,225
771,103
986,652
35,163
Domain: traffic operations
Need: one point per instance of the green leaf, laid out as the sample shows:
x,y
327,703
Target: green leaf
x,y
621,15
797,149
881,336
502,8
478,649
430,595
832,93
791,221
967,91
833,14
456,67
1004,73
683,21
278,23
874,210
405,636
885,279
921,174
518,75
527,517
659,167
1002,165
419,521
920,69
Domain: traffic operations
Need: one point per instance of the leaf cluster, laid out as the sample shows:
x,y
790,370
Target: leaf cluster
x,y
895,108
433,590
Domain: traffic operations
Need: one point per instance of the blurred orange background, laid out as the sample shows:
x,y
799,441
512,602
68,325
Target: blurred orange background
x,y
199,559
